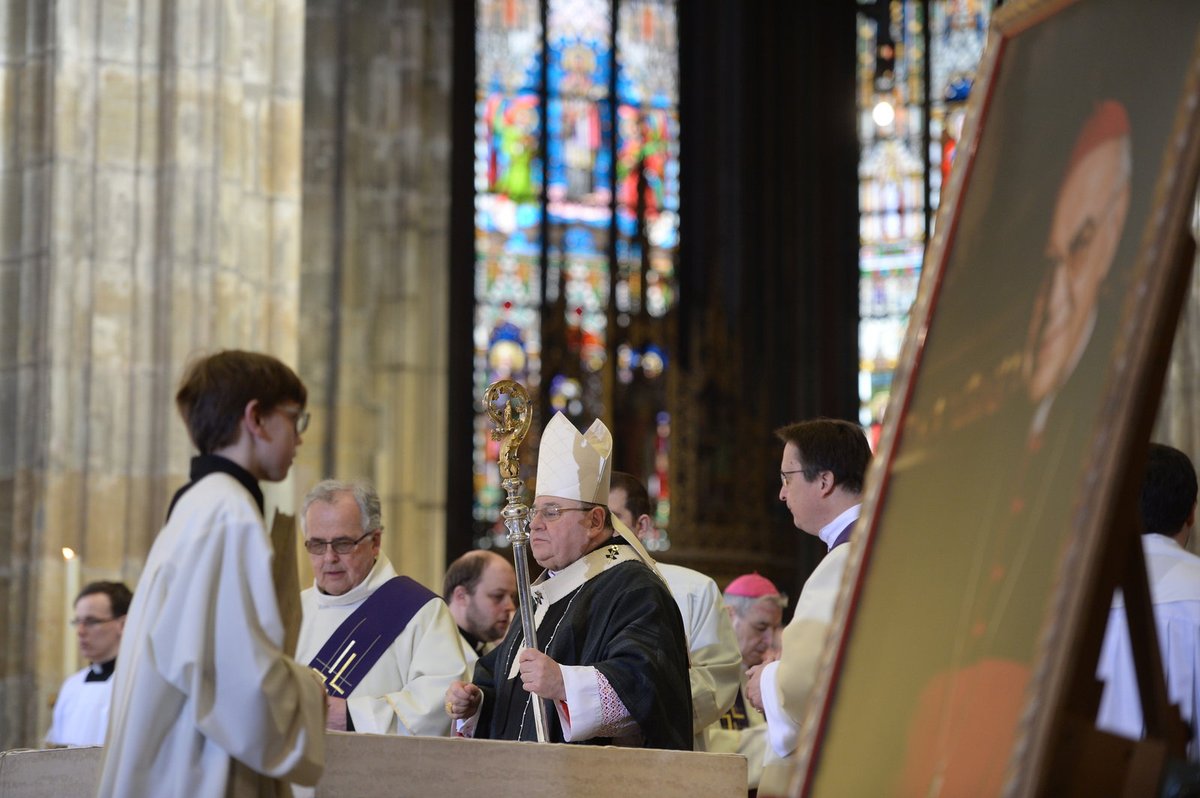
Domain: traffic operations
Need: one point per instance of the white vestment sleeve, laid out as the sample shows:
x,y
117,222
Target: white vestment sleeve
x,y
466,727
782,731
716,660
791,679
592,708
583,713
750,742
218,638
1174,576
58,723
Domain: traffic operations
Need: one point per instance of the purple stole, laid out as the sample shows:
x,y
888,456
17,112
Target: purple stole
x,y
354,648
843,536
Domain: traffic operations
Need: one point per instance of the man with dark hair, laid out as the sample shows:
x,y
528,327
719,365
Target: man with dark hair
x,y
480,588
613,669
820,445
386,644
1168,511
822,471
81,710
715,670
1168,498
206,703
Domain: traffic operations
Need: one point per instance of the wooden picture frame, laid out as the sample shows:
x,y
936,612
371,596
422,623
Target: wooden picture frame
x,y
983,562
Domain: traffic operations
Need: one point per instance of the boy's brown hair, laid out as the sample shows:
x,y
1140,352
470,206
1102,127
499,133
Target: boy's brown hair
x,y
216,389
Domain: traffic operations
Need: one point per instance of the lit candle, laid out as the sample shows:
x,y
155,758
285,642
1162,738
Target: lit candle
x,y
71,589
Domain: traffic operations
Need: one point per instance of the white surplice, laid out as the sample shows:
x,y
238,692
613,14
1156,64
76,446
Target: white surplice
x,y
81,711
404,692
750,742
1174,576
787,683
205,703
715,660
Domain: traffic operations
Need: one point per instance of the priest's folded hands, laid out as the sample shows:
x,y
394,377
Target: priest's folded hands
x,y
462,700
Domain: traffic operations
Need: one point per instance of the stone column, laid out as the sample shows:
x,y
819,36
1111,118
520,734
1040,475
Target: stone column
x,y
151,212
375,266
26,58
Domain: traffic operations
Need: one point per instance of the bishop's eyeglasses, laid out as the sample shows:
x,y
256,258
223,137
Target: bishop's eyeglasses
x,y
339,545
549,512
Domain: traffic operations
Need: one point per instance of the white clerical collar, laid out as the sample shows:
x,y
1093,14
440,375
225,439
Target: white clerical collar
x,y
380,573
830,532
554,585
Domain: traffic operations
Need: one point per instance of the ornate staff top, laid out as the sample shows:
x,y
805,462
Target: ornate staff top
x,y
512,422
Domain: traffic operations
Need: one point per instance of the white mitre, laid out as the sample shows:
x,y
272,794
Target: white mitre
x,y
574,466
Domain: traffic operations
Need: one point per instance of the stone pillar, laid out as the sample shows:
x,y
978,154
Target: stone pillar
x,y
26,58
151,201
1178,421
374,294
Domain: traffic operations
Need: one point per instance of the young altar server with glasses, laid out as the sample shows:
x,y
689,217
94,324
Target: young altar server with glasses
x,y
205,702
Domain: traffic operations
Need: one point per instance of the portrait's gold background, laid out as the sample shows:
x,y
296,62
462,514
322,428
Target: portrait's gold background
x,y
988,498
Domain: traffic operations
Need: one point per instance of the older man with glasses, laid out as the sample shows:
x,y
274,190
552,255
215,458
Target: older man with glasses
x,y
387,646
81,709
613,664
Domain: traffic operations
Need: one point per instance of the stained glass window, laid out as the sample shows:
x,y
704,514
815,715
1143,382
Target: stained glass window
x,y
908,133
577,218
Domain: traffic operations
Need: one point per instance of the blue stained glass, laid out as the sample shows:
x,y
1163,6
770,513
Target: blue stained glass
x,y
578,241
558,210
578,68
892,168
649,72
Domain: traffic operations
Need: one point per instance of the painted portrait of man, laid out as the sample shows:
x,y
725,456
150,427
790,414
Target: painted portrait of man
x,y
938,680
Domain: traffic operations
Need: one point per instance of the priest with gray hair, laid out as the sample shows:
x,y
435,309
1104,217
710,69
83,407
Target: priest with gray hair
x,y
386,645
613,669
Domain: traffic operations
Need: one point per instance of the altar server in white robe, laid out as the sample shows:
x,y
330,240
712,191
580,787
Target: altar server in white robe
x,y
206,703
81,709
388,646
1168,510
714,660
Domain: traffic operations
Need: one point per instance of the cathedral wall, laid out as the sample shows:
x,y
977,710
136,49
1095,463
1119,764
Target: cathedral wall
x,y
150,206
374,293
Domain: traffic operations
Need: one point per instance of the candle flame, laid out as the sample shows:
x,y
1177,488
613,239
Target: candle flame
x,y
68,553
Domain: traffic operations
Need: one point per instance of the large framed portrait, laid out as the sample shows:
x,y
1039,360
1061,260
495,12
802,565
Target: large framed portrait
x,y
1028,382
